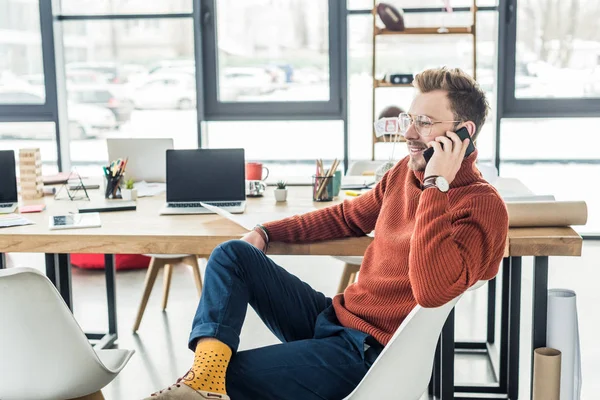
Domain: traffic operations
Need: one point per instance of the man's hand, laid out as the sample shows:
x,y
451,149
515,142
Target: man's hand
x,y
256,240
446,161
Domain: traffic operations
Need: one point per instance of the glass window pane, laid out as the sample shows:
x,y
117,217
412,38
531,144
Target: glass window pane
x,y
94,7
129,81
273,51
21,64
42,135
558,49
412,54
368,4
288,149
535,152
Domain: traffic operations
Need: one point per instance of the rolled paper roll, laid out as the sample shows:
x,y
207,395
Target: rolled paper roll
x,y
546,213
546,374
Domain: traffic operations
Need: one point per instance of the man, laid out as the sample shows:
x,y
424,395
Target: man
x,y
439,227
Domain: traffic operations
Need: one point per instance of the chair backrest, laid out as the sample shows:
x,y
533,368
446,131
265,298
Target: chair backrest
x,y
403,369
43,351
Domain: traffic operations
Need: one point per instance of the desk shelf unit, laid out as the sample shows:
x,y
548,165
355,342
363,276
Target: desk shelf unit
x,y
435,30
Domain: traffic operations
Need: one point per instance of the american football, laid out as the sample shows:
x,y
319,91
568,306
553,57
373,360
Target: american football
x,y
391,17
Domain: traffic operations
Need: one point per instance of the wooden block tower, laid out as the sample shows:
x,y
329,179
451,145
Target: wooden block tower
x,y
30,167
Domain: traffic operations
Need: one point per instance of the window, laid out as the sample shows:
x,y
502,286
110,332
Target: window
x,y
540,154
412,54
273,59
558,49
94,7
135,85
21,66
42,135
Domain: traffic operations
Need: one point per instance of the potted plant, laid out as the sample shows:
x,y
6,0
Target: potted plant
x,y
281,191
129,193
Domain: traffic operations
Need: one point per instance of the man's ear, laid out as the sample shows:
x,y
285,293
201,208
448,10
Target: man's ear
x,y
471,127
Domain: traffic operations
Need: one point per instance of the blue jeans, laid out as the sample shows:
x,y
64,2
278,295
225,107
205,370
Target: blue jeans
x,y
317,359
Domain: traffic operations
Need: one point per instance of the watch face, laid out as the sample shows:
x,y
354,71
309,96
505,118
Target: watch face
x,y
442,183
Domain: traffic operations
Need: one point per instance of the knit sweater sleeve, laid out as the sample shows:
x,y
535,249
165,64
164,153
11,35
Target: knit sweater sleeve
x,y
452,249
355,217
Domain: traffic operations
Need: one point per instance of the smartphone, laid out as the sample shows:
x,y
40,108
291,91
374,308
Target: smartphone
x,y
463,134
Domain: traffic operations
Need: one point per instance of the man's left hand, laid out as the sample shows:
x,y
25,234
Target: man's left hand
x,y
446,161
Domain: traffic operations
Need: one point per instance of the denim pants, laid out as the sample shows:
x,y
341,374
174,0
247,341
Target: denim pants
x,y
317,359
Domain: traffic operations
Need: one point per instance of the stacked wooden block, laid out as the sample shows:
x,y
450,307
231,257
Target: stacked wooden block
x,y
30,168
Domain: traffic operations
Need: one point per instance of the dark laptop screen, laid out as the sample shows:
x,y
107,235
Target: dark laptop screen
x,y
206,175
8,177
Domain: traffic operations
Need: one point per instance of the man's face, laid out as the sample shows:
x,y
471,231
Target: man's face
x,y
436,106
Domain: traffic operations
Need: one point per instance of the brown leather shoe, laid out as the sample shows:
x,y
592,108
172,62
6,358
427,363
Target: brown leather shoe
x,y
181,391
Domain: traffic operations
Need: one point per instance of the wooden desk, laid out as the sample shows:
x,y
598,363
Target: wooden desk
x,y
143,231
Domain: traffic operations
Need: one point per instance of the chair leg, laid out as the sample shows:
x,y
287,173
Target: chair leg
x,y
193,262
155,264
94,396
167,283
350,270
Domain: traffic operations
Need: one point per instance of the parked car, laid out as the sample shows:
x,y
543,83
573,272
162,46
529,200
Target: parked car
x,y
249,81
85,121
115,73
104,96
166,91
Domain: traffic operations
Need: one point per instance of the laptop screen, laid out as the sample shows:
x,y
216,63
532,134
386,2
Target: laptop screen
x,y
8,177
206,175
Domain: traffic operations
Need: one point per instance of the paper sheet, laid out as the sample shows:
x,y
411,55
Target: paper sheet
x,y
250,220
145,189
563,334
7,220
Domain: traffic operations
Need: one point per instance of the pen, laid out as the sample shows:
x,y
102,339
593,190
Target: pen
x,y
352,193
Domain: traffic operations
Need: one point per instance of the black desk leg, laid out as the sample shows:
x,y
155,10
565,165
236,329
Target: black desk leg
x,y
64,279
491,312
434,383
2,261
109,265
447,359
51,272
504,326
514,328
540,306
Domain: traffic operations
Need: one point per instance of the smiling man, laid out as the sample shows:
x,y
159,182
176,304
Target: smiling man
x,y
439,227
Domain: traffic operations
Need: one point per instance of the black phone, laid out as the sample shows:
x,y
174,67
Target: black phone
x,y
463,134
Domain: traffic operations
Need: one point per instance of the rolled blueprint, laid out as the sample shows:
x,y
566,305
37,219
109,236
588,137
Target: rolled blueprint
x,y
546,213
563,334
546,374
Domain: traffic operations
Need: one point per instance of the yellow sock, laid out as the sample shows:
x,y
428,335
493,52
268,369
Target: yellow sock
x,y
210,364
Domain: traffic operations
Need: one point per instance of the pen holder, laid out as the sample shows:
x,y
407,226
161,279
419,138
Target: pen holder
x,y
113,187
323,188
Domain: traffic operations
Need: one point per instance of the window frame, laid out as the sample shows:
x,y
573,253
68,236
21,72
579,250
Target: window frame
x,y
514,107
332,109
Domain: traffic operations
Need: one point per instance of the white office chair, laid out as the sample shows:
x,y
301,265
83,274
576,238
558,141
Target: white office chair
x,y
44,354
403,369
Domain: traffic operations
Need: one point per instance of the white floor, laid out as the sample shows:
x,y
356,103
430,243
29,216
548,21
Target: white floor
x,y
162,355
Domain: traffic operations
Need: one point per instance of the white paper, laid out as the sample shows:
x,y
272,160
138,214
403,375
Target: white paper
x,y
7,220
249,221
563,334
145,189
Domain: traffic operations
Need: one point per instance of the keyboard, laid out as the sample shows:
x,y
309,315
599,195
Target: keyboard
x,y
198,205
4,205
7,208
234,207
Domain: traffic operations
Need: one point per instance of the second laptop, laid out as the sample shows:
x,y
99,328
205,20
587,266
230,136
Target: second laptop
x,y
212,176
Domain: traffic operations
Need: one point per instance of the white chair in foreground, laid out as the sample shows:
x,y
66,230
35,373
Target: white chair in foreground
x,y
43,352
403,369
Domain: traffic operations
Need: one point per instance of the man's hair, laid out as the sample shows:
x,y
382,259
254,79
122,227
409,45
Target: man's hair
x,y
467,100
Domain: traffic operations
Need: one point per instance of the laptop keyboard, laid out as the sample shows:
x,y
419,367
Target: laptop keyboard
x,y
5,205
198,205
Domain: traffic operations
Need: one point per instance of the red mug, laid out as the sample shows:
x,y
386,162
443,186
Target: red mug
x,y
254,171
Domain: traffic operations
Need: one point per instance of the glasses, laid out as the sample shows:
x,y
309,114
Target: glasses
x,y
423,124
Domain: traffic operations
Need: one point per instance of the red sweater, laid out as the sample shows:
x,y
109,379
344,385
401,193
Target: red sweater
x,y
429,246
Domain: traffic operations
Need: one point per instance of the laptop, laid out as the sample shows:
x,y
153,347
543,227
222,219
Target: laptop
x,y
213,176
147,157
9,198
